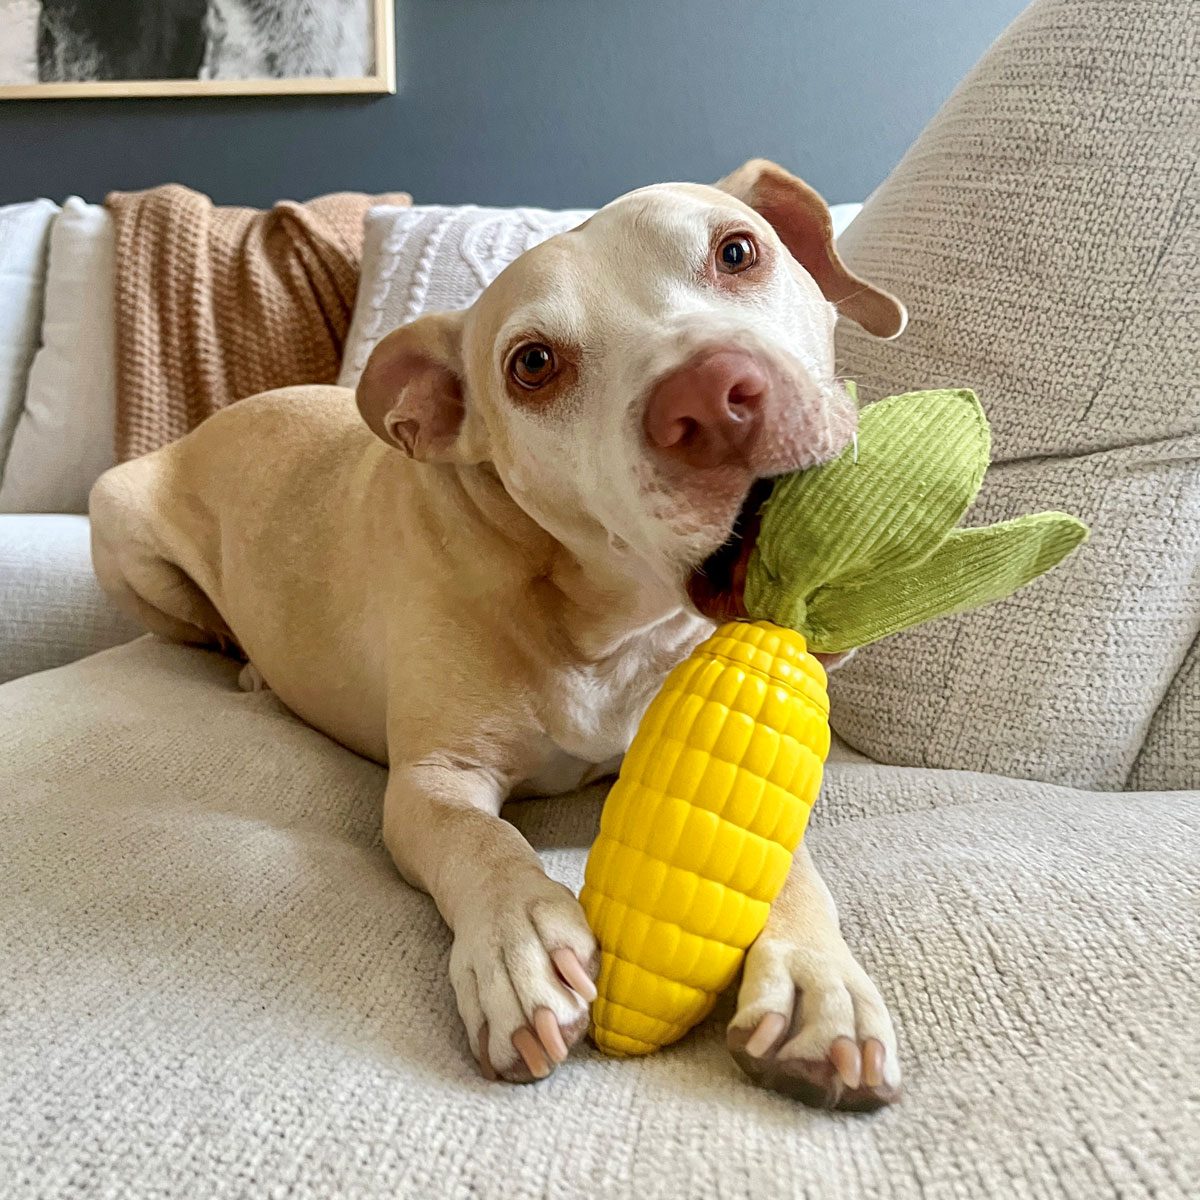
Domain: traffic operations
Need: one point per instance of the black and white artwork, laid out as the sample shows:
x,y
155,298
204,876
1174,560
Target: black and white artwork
x,y
192,47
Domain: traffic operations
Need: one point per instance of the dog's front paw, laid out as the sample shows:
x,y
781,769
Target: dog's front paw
x,y
811,1024
522,966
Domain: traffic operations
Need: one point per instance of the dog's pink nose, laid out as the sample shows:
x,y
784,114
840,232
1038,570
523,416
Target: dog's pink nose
x,y
706,413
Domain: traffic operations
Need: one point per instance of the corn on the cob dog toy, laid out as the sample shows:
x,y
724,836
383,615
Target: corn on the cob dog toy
x,y
699,830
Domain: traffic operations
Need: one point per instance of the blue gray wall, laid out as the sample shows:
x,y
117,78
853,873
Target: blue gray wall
x,y
552,102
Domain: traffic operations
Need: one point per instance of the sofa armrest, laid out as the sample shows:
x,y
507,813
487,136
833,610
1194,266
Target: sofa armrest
x,y
52,610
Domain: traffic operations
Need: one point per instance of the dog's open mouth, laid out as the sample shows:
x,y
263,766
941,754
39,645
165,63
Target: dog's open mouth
x,y
715,587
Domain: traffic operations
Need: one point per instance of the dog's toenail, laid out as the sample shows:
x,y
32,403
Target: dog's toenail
x,y
847,1061
764,1036
485,1062
546,1027
873,1056
531,1052
573,974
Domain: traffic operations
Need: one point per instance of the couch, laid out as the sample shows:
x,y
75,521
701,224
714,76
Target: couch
x,y
214,984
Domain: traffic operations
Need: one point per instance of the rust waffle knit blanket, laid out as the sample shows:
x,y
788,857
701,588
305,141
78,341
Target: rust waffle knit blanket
x,y
214,303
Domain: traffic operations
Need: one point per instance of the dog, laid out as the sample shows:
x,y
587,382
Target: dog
x,y
479,568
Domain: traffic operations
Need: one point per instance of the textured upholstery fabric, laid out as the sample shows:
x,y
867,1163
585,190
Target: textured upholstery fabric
x,y
52,610
64,437
433,258
215,984
24,249
1044,231
1170,757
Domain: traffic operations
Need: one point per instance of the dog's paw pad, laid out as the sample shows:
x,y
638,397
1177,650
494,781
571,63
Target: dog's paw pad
x,y
814,1028
818,1083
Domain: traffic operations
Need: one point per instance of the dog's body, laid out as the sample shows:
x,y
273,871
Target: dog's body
x,y
493,618
347,627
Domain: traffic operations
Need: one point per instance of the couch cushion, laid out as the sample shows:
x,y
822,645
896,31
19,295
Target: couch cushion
x,y
1170,757
64,438
24,248
52,610
1043,232
215,984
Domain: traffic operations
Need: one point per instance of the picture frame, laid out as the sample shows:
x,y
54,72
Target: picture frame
x,y
379,79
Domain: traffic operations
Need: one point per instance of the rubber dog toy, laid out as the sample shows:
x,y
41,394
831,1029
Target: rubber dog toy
x,y
698,832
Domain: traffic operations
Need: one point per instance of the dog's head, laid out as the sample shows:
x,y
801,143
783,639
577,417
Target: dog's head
x,y
633,380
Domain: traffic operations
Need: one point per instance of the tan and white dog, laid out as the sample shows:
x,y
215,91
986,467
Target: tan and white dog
x,y
485,594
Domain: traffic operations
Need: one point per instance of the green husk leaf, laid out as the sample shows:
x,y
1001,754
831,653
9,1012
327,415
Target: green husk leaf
x,y
970,568
865,546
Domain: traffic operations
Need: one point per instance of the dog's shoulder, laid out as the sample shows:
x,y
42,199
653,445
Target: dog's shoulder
x,y
312,404
271,427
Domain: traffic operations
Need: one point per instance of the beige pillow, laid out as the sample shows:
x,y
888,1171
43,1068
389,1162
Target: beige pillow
x,y
1043,233
24,250
63,439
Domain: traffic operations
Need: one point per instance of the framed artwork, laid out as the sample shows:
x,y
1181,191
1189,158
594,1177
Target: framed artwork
x,y
54,49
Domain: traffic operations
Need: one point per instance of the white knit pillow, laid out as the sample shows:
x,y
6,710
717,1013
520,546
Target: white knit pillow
x,y
432,258
1043,233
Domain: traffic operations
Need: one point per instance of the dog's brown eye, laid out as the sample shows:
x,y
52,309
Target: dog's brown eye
x,y
533,365
736,253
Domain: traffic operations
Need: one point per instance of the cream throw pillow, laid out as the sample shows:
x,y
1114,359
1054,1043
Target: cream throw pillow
x,y
24,249
1043,231
64,437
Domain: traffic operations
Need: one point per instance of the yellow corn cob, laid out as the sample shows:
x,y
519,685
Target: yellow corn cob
x,y
699,830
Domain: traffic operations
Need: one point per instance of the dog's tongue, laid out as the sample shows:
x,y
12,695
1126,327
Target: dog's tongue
x,y
720,593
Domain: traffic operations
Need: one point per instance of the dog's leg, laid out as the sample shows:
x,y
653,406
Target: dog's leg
x,y
523,955
132,571
809,1021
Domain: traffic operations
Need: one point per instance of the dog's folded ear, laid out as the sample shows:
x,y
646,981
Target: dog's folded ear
x,y
411,392
801,218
